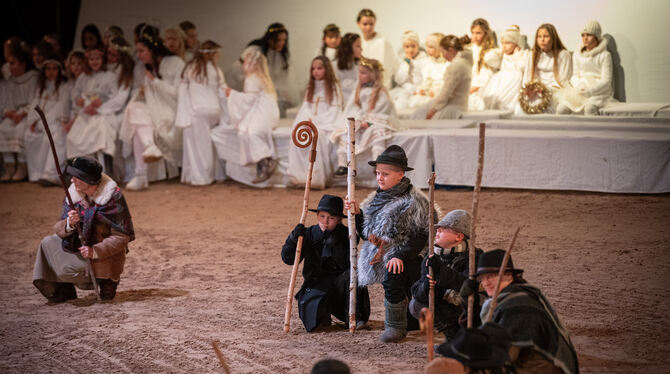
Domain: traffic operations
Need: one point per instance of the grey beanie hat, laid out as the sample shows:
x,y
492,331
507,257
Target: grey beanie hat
x,y
593,28
458,220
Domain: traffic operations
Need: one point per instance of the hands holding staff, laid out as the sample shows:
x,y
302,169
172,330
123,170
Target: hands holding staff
x,y
351,206
86,251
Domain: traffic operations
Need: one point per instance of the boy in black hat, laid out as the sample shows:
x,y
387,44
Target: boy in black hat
x,y
325,249
543,344
106,226
392,220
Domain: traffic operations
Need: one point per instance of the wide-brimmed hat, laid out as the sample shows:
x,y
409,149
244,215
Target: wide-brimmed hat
x,y
86,168
457,220
393,155
489,262
475,349
331,204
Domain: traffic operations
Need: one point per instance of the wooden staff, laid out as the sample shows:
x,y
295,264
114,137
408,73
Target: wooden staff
x,y
89,267
426,325
431,241
351,224
501,272
475,205
219,355
304,135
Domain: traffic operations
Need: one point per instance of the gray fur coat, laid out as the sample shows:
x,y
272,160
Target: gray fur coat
x,y
398,221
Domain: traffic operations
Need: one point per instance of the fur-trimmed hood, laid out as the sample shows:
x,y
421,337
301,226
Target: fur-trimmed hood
x,y
102,194
602,46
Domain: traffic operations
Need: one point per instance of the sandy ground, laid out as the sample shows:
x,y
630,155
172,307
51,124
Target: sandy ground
x,y
206,267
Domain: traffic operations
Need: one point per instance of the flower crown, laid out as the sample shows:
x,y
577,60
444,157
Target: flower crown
x,y
209,50
371,64
122,48
148,37
276,29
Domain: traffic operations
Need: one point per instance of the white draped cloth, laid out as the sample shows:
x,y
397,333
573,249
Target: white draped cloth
x,y
407,78
325,116
502,91
20,92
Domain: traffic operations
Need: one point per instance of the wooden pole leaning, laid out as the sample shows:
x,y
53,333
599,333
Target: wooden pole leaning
x,y
89,267
501,272
426,325
475,205
351,224
219,355
304,135
431,240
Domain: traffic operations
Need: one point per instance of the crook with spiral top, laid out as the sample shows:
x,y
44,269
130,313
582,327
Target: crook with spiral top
x,y
304,135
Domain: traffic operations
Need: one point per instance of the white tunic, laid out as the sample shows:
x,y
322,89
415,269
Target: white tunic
x,y
381,50
330,53
348,80
92,133
20,93
198,111
254,113
544,72
325,116
502,91
481,76
56,107
407,78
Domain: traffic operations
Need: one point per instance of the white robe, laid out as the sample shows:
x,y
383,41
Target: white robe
x,y
382,117
481,77
381,50
330,53
502,91
254,113
92,133
544,72
20,93
348,80
432,74
198,111
325,117
56,107
407,78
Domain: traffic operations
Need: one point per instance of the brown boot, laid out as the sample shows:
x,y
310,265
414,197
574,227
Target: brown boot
x,y
9,171
64,292
21,172
107,288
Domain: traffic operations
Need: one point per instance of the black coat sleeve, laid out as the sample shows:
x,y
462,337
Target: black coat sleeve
x,y
288,250
421,288
450,278
416,243
360,219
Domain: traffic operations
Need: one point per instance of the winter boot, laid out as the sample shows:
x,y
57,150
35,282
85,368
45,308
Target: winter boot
x,y
152,154
63,293
107,288
138,183
9,171
395,324
21,172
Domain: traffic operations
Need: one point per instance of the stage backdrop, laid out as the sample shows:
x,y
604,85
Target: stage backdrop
x,y
638,28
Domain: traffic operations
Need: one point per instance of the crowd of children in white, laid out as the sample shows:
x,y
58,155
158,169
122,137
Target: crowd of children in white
x,y
160,108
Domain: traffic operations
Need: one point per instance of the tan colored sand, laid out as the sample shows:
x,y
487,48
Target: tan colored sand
x,y
206,266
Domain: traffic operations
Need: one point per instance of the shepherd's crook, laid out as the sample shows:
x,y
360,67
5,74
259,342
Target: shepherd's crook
x,y
304,135
351,223
89,268
431,241
475,205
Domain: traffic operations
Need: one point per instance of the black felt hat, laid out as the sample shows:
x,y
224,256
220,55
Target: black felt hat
x,y
474,348
393,155
489,262
331,204
87,169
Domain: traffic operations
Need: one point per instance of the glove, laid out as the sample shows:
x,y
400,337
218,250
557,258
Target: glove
x,y
299,230
434,263
469,287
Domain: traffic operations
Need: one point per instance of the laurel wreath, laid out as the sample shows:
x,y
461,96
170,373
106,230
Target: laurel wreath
x,y
541,91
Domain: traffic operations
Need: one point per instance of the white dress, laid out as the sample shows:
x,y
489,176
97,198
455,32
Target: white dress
x,y
381,50
330,53
432,74
382,117
481,77
545,74
198,111
56,107
407,78
92,133
20,93
254,113
348,80
325,117
502,91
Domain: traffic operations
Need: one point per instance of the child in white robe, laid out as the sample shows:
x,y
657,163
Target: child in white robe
x,y
408,75
502,91
93,132
53,97
375,46
432,76
254,113
198,111
323,107
76,68
485,64
549,63
591,82
21,89
346,65
148,120
373,110
331,40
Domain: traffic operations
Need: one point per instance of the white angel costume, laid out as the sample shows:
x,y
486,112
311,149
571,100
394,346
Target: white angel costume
x,y
325,116
482,75
544,72
348,79
502,91
20,93
432,74
407,78
380,49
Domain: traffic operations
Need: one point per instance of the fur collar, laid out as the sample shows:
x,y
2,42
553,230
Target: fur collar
x,y
102,194
602,46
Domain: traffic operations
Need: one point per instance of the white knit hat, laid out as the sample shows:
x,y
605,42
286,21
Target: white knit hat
x,y
410,35
512,35
593,28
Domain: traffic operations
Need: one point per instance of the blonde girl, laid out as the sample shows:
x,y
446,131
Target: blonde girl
x,y
175,41
408,76
485,63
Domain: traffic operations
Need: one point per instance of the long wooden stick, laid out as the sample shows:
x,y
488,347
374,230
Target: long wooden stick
x,y
431,241
351,224
426,325
304,135
475,205
501,272
89,267
219,355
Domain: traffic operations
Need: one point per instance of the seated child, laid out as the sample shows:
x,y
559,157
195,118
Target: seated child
x,y
502,91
